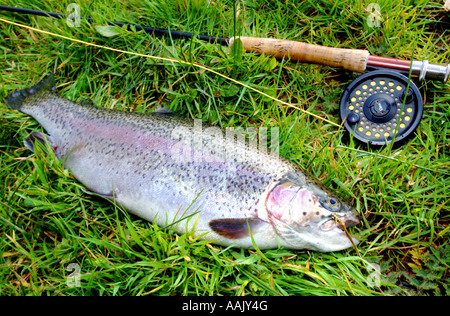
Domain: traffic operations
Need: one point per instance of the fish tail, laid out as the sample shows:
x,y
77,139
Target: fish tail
x,y
16,99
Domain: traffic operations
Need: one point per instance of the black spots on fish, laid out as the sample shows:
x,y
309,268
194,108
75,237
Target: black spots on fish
x,y
236,228
106,152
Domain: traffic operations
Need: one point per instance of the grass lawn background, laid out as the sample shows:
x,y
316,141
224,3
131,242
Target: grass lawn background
x,y
56,240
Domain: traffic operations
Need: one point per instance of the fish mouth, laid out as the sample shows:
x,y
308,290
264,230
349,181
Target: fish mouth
x,y
341,222
351,218
336,222
348,222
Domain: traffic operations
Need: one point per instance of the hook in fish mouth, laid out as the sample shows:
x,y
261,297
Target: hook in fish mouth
x,y
349,219
348,222
335,221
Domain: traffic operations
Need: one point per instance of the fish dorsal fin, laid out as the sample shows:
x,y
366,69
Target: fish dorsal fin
x,y
164,111
86,102
17,98
236,228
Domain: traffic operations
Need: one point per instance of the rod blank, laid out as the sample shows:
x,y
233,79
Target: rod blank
x,y
147,29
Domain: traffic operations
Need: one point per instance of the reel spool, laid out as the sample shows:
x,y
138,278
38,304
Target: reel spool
x,y
371,107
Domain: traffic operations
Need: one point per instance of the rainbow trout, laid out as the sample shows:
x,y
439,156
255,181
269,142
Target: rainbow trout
x,y
168,169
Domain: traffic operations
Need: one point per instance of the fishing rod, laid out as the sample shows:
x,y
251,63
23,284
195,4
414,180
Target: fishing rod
x,y
379,107
348,59
147,29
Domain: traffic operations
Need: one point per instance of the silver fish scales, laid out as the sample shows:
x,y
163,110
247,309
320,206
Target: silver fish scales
x,y
164,168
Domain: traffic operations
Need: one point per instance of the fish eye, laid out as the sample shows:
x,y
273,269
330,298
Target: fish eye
x,y
332,203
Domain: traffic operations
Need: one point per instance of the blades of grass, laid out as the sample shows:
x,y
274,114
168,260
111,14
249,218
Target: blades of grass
x,y
172,61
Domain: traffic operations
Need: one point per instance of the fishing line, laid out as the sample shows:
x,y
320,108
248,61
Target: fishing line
x,y
349,236
376,155
174,61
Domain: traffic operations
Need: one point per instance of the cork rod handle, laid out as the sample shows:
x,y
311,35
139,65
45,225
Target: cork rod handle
x,y
349,59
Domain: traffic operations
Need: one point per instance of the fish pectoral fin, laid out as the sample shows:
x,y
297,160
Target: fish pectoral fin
x,y
110,197
236,228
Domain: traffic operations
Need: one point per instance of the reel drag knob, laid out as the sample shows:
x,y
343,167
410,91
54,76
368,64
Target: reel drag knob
x,y
372,107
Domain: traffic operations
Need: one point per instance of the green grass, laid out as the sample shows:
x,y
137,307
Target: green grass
x,y
47,223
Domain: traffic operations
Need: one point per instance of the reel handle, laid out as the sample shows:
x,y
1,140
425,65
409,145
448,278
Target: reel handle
x,y
348,59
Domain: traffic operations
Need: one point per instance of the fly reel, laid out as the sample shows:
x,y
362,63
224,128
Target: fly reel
x,y
373,111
